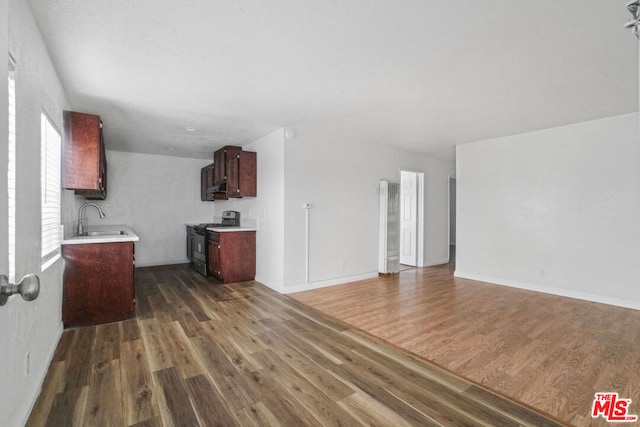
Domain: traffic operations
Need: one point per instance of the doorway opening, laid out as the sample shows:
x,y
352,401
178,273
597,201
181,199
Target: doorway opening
x,y
452,220
411,219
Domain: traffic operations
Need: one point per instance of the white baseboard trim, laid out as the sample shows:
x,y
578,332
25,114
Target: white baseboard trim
x,y
602,299
33,396
330,282
431,263
268,284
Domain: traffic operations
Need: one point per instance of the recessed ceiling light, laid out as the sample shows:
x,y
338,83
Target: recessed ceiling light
x,y
190,129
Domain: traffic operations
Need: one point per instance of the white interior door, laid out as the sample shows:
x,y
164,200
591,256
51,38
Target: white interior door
x,y
6,386
4,191
409,218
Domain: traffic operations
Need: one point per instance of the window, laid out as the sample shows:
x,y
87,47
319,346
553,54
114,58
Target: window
x,y
50,191
11,172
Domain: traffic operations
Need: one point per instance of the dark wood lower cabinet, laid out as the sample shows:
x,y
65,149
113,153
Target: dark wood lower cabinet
x,y
98,283
232,255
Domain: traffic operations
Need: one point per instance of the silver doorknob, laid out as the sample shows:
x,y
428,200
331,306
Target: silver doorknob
x,y
28,288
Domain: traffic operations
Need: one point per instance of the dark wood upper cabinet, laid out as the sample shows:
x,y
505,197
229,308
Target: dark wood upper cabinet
x,y
218,173
220,162
206,181
241,174
236,170
84,158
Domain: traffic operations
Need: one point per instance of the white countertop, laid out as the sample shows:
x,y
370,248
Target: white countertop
x,y
103,235
230,229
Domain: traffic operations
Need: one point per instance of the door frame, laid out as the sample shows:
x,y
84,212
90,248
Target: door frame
x,y
4,144
420,213
455,180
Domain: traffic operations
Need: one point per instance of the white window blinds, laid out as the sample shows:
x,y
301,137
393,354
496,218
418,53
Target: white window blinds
x,y
50,191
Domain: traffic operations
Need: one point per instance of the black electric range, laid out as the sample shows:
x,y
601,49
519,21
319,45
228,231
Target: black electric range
x,y
197,251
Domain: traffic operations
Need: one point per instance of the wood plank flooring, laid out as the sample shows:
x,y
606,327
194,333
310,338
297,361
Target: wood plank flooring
x,y
549,352
201,353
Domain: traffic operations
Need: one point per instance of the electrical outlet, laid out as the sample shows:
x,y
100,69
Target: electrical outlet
x,y
307,205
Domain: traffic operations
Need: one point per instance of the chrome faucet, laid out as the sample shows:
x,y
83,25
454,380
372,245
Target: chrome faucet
x,y
80,225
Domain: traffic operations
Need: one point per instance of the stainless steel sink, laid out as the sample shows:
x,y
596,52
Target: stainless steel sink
x,y
102,233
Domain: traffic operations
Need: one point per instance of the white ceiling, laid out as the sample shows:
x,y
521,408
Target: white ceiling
x,y
419,74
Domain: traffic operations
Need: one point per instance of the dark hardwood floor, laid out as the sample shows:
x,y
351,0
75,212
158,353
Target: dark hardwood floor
x,y
549,352
201,353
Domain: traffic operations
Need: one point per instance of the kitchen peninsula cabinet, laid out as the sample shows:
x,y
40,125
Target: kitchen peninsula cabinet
x,y
98,283
84,158
235,170
232,255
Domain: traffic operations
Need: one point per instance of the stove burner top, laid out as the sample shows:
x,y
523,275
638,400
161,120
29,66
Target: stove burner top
x,y
229,219
204,226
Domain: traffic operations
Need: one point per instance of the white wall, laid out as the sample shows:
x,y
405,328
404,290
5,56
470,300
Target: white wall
x,y
155,196
341,178
33,327
266,211
554,210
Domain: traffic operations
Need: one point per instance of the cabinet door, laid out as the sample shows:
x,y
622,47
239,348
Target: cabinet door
x,y
206,181
98,283
84,160
242,174
219,175
248,175
210,183
237,256
102,179
210,175
232,166
81,151
213,242
203,184
215,260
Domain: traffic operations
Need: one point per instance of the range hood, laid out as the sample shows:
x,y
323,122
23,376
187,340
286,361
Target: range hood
x,y
220,188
